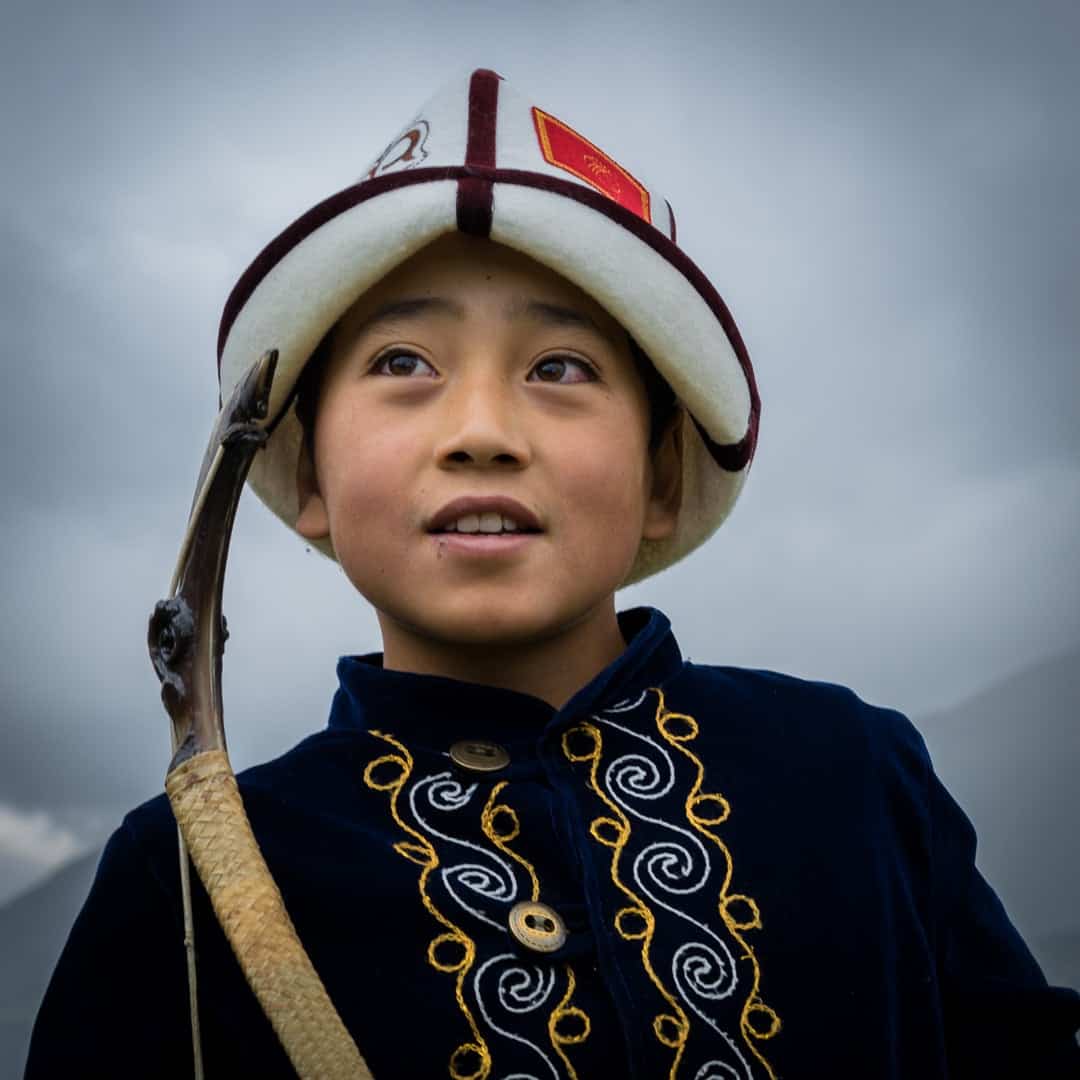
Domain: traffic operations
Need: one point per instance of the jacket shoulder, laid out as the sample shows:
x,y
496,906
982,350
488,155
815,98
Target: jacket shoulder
x,y
804,716
761,691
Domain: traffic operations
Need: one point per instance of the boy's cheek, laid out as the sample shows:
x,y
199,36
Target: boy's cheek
x,y
364,460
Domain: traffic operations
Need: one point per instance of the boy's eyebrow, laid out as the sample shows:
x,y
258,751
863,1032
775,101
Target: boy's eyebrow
x,y
404,309
551,314
521,308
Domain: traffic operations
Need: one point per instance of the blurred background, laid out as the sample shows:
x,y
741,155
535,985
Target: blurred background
x,y
886,196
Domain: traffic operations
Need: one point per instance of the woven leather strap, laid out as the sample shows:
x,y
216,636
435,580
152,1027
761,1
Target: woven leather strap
x,y
207,804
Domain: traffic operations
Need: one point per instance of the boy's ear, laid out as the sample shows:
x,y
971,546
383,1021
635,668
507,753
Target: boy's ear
x,y
665,500
313,522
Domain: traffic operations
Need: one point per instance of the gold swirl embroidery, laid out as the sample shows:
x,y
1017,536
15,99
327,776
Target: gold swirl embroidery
x,y
492,813
739,912
563,1012
673,1029
461,948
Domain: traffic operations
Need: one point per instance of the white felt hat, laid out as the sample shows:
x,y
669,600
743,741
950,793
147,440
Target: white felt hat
x,y
482,159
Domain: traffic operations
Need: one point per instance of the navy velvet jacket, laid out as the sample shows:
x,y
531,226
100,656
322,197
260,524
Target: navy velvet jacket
x,y
759,877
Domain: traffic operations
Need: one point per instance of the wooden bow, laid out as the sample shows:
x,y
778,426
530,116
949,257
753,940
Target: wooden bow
x,y
187,639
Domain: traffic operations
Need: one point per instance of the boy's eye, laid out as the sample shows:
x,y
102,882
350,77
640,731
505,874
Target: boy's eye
x,y
401,363
562,369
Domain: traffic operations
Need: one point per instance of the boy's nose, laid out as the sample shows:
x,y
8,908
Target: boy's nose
x,y
482,428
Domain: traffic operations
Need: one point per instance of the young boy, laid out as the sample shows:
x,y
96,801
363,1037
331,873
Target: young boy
x,y
533,841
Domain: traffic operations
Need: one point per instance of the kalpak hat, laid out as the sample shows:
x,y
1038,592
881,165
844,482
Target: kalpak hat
x,y
482,159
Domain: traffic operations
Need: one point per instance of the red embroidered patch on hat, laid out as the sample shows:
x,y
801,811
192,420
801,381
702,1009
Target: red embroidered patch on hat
x,y
563,147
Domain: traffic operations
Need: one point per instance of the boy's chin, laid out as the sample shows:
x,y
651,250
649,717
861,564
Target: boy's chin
x,y
492,626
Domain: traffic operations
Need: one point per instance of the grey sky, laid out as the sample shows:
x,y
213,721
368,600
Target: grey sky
x,y
885,195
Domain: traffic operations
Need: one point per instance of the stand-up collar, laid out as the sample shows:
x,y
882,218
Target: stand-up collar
x,y
433,710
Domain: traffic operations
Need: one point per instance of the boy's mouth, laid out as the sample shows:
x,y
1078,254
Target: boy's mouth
x,y
487,515
490,523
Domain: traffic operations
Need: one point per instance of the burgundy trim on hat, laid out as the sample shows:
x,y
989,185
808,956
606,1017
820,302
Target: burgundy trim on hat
x,y
474,195
731,457
483,113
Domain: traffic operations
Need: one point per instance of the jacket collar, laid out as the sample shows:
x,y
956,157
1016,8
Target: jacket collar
x,y
435,711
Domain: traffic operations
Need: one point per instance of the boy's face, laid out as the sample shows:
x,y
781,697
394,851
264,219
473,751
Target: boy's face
x,y
474,373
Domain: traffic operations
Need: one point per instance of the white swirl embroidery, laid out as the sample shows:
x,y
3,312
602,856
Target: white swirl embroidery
x,y
668,865
694,968
626,705
718,1070
703,971
698,970
498,882
519,989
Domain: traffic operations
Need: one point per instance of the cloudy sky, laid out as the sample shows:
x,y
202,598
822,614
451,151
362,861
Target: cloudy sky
x,y
886,196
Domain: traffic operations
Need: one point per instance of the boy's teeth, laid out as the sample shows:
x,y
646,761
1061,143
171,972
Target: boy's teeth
x,y
489,522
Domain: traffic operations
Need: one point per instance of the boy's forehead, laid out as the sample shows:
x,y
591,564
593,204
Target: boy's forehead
x,y
458,276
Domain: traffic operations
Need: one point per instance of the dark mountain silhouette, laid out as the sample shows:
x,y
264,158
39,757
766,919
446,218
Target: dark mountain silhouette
x,y
33,929
1059,955
1010,756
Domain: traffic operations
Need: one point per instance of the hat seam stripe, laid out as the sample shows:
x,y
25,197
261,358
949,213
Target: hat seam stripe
x,y
483,111
475,195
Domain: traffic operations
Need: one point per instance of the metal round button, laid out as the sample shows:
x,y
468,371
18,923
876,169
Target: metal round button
x,y
537,927
479,755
